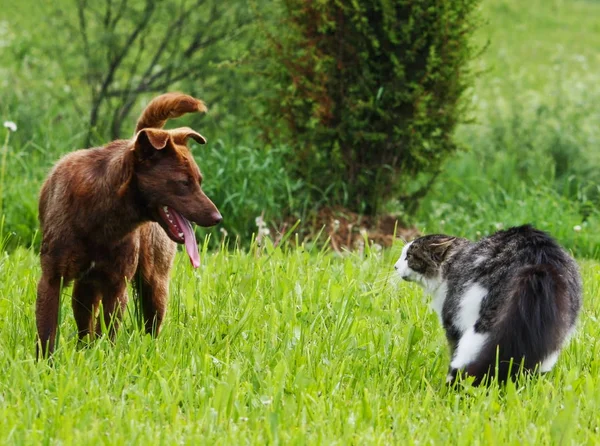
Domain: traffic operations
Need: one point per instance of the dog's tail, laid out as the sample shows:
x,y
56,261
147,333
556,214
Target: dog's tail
x,y
532,325
167,106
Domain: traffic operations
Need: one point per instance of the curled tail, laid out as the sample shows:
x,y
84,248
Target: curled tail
x,y
167,106
531,327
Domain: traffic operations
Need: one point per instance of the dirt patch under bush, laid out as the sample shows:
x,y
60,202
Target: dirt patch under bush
x,y
348,230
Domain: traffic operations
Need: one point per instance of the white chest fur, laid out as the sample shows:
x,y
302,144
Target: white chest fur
x,y
439,296
470,304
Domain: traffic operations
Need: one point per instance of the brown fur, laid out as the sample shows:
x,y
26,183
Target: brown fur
x,y
100,224
168,106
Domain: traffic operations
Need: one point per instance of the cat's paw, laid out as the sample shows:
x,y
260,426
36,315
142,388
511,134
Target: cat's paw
x,y
451,377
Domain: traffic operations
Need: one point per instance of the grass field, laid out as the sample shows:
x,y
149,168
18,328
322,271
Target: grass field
x,y
298,345
278,345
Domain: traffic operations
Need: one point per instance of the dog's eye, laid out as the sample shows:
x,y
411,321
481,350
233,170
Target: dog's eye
x,y
187,182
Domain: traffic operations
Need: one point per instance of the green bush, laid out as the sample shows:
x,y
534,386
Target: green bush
x,y
368,93
116,53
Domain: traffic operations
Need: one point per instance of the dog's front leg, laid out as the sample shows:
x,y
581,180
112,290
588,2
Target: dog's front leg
x,y
46,314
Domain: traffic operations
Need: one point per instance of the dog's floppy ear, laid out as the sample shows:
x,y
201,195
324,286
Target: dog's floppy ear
x,y
181,135
148,141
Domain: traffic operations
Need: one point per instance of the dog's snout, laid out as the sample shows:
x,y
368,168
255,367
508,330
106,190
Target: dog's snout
x,y
217,217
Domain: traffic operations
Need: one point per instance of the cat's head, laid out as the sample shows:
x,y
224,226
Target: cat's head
x,y
422,259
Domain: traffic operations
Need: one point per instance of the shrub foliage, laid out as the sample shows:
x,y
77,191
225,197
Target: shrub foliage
x,y
368,93
121,50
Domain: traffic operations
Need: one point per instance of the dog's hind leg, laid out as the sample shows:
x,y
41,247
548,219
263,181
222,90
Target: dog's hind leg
x,y
157,252
114,301
153,294
46,313
85,302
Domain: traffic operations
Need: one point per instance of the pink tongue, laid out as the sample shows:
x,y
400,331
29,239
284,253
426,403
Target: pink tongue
x,y
190,238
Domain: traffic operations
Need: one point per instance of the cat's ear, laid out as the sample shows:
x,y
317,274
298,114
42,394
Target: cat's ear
x,y
441,247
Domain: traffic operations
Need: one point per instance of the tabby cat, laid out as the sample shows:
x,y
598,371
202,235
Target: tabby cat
x,y
514,294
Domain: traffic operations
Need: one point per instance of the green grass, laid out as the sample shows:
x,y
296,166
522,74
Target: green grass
x,y
280,345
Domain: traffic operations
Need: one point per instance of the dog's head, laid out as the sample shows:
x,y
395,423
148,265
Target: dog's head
x,y
170,184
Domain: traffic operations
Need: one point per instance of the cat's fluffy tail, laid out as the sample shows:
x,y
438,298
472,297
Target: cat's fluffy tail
x,y
531,327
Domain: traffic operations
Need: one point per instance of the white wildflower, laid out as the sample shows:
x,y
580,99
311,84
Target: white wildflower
x,y
263,230
10,125
352,419
577,228
499,226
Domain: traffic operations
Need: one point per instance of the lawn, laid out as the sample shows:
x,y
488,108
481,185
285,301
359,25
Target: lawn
x,y
280,344
297,344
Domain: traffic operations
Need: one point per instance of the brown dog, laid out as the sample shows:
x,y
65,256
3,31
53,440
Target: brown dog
x,y
114,213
